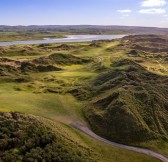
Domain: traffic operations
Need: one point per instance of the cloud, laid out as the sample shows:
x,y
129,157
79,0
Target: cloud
x,y
153,11
124,11
153,3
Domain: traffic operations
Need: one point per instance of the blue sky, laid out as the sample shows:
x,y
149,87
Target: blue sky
x,y
84,12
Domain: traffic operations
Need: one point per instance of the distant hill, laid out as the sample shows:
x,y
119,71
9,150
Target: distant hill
x,y
90,29
147,43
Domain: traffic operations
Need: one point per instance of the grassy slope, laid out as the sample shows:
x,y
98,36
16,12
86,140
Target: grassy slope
x,y
29,138
53,106
129,104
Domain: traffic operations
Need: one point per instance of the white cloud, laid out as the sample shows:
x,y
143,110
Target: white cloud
x,y
153,11
165,15
124,11
153,3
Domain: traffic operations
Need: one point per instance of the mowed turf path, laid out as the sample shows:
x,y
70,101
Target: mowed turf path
x,y
88,132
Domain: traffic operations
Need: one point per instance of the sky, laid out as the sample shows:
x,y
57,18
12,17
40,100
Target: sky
x,y
84,12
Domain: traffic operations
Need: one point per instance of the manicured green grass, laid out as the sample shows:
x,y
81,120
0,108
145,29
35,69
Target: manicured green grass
x,y
50,106
54,106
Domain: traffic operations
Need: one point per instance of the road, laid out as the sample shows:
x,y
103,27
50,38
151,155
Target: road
x,y
87,131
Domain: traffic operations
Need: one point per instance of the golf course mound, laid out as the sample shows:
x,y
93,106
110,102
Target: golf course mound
x,y
7,70
65,47
60,59
31,67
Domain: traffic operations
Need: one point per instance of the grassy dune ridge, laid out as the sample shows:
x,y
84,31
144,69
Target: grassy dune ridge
x,y
130,102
